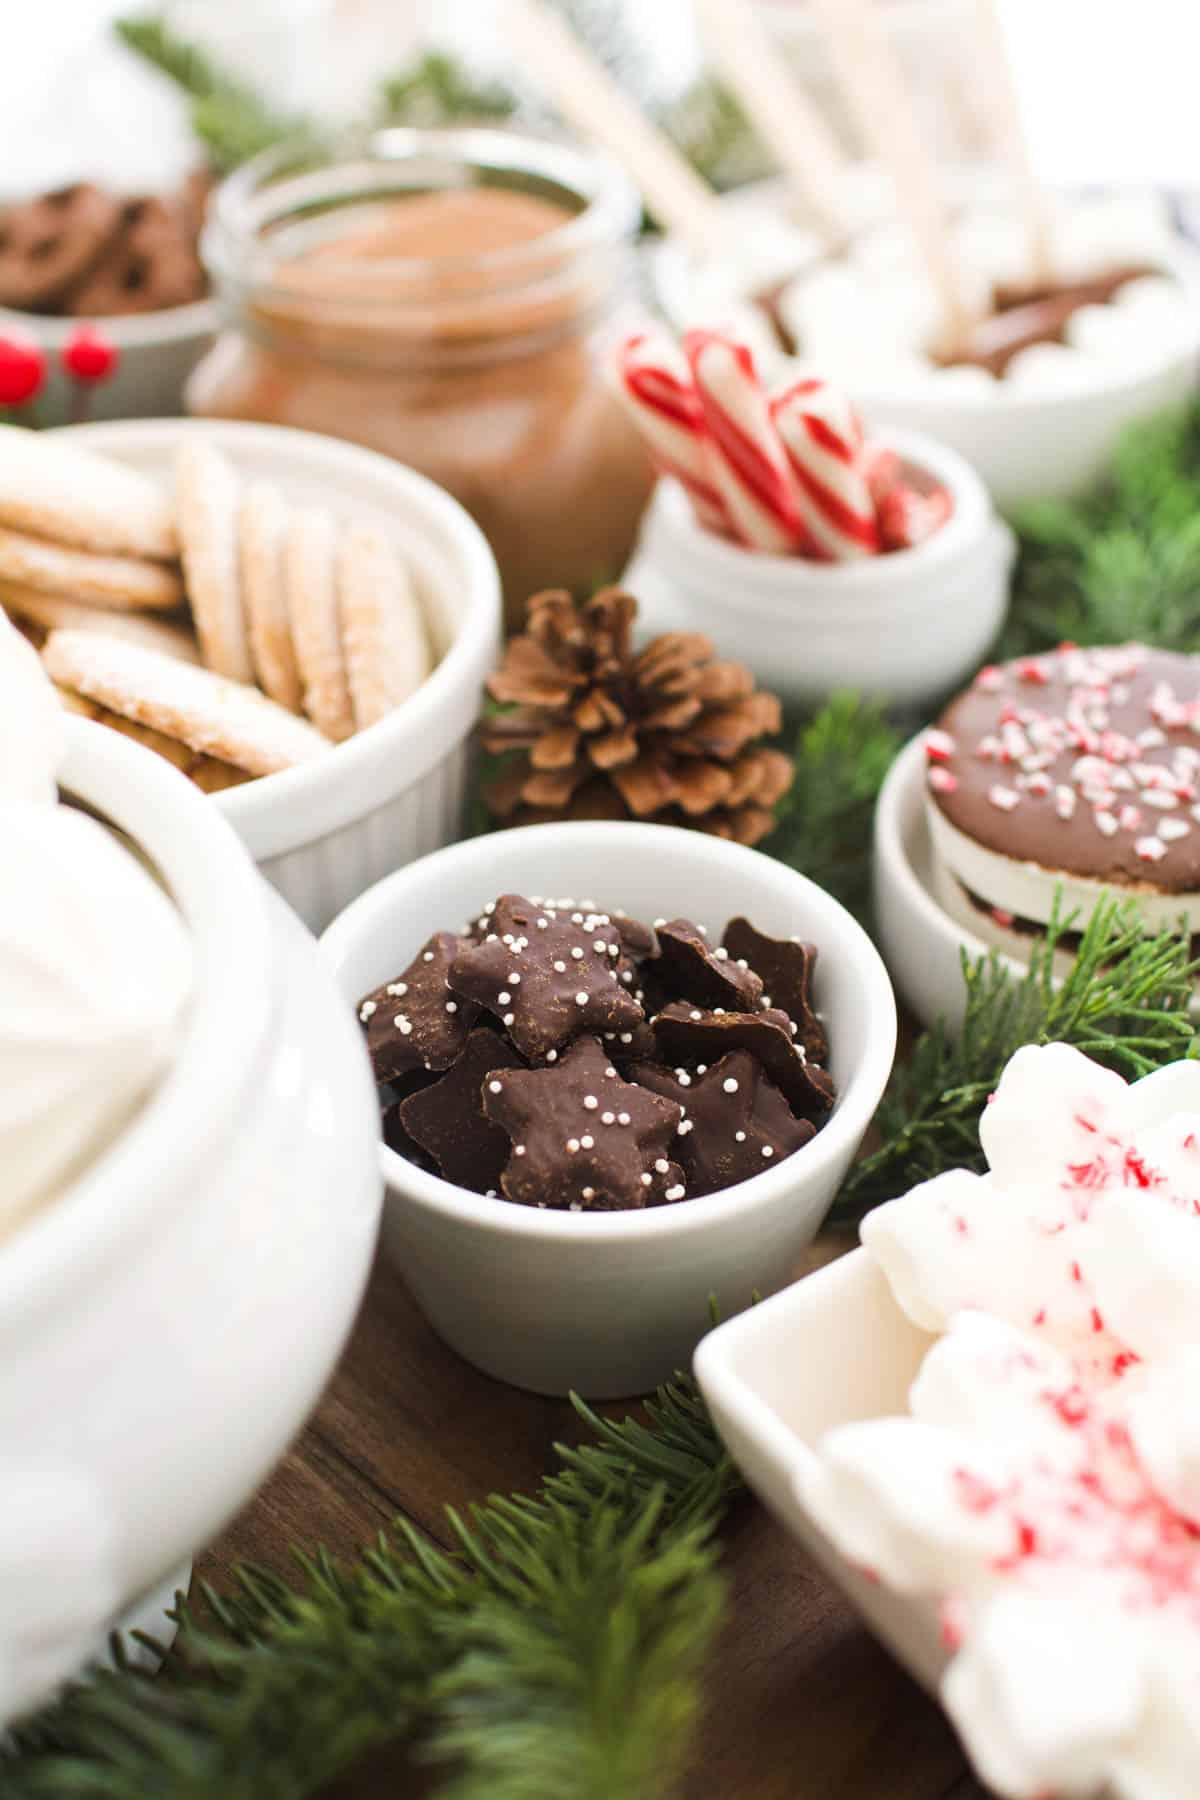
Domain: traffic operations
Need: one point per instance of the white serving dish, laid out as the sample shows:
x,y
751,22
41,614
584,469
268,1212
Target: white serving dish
x,y
922,945
832,1349
323,832
613,1303
169,1322
157,352
905,627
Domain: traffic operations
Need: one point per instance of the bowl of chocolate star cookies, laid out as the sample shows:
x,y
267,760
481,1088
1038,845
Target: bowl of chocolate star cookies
x,y
622,1071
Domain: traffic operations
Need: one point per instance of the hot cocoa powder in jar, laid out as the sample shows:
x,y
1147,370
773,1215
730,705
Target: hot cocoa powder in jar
x,y
446,298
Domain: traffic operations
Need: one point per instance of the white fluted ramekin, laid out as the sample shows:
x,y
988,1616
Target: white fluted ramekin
x,y
323,832
167,1324
906,627
613,1303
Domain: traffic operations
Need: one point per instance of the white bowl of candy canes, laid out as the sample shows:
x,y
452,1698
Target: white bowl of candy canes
x,y
869,316
822,558
982,1426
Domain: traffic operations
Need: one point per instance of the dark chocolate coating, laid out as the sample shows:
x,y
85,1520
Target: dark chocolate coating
x,y
1038,317
1113,697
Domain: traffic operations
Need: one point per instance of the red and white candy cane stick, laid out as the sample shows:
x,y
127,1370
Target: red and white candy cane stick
x,y
655,383
907,517
752,470
823,437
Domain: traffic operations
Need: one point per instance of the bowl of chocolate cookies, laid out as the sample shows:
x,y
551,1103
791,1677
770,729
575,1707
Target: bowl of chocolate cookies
x,y
126,265
622,1071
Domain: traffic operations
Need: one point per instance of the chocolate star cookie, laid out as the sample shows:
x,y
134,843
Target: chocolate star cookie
x,y
688,1036
735,1122
548,976
447,1118
786,967
583,1139
415,1022
688,968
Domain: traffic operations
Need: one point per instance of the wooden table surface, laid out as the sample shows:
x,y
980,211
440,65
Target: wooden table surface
x,y
803,1704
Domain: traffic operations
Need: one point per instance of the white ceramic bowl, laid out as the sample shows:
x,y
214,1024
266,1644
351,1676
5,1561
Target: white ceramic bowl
x,y
905,627
832,1349
922,945
167,1325
1030,445
324,831
613,1303
157,353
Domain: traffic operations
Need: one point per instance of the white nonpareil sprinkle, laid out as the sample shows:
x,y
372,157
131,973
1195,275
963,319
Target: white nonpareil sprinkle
x,y
403,1024
684,1126
589,1193
721,953
514,980
577,953
608,1118
581,998
560,968
397,989
646,1180
503,998
552,1056
730,1085
676,1193
588,1142
739,1137
661,1164
767,1150
494,1087
427,956
368,1009
622,1118
599,945
452,1006
695,1013
572,1145
518,1149
591,1102
508,1018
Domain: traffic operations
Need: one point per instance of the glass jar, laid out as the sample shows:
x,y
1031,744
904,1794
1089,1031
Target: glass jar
x,y
446,297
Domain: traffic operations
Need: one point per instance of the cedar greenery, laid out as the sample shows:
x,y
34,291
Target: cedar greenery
x,y
554,1651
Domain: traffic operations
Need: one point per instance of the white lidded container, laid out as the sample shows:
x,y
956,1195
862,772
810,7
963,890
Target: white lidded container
x,y
167,1324
614,1303
325,830
905,627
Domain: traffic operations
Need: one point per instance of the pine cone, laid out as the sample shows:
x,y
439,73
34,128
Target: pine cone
x,y
668,734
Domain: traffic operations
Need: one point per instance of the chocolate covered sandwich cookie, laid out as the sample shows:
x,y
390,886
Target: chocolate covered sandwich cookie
x,y
1068,774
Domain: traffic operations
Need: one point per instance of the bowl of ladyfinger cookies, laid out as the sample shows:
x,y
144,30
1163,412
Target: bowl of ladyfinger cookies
x,y
301,626
622,1070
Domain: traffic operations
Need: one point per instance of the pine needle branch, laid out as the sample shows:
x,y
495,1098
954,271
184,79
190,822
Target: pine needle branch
x,y
841,755
1124,1002
557,1651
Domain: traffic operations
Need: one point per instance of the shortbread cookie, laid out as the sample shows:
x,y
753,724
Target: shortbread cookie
x,y
219,718
309,568
58,491
39,614
208,772
261,525
128,583
207,498
384,641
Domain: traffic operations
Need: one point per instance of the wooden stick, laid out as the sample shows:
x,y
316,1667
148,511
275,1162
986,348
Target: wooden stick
x,y
589,99
747,60
1000,97
866,70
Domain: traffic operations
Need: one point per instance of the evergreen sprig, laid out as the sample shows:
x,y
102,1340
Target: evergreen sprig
x,y
1123,1001
554,1650
229,117
841,755
1123,562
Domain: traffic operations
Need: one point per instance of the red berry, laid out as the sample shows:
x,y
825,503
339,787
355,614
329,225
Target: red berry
x,y
88,356
22,371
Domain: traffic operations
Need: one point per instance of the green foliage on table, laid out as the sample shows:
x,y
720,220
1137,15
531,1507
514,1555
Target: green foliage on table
x,y
553,1652
1123,1002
